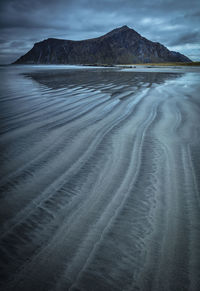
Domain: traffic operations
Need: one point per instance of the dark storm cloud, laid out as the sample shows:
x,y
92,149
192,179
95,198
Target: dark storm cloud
x,y
190,38
173,23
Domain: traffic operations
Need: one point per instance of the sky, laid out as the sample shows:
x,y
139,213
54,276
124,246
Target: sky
x,y
174,23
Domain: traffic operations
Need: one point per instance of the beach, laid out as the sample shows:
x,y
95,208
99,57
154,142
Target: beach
x,y
100,178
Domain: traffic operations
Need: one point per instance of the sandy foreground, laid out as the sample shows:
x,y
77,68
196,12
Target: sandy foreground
x,y
100,179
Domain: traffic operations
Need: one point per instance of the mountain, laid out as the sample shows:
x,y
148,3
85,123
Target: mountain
x,y
120,46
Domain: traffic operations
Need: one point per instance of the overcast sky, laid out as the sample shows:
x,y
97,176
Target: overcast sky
x,y
174,23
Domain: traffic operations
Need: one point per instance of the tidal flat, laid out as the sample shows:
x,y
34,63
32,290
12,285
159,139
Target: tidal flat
x,y
100,178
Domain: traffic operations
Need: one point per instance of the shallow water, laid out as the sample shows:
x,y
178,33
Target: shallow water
x,y
100,179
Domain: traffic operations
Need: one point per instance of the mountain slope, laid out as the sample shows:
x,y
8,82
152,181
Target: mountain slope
x,y
120,46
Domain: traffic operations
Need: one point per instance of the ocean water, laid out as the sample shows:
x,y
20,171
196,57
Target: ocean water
x,y
100,179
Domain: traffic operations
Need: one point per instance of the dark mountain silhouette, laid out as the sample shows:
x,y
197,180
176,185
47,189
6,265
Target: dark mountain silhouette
x,y
120,46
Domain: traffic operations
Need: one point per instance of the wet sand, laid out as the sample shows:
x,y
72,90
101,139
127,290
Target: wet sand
x,y
100,179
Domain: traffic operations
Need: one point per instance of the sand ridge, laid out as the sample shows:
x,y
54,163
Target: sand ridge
x,y
99,180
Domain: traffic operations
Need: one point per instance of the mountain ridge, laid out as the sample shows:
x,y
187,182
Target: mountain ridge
x,y
121,45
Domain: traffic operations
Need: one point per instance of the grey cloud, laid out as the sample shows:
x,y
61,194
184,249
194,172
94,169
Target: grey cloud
x,y
189,38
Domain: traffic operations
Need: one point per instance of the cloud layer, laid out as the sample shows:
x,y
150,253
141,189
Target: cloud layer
x,y
176,24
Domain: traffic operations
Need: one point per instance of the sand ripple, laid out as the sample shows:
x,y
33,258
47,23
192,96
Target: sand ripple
x,y
99,180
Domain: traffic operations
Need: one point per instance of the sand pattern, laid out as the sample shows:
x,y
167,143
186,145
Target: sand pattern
x,y
100,180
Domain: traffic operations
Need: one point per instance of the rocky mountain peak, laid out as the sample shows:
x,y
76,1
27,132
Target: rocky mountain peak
x,y
122,45
122,30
